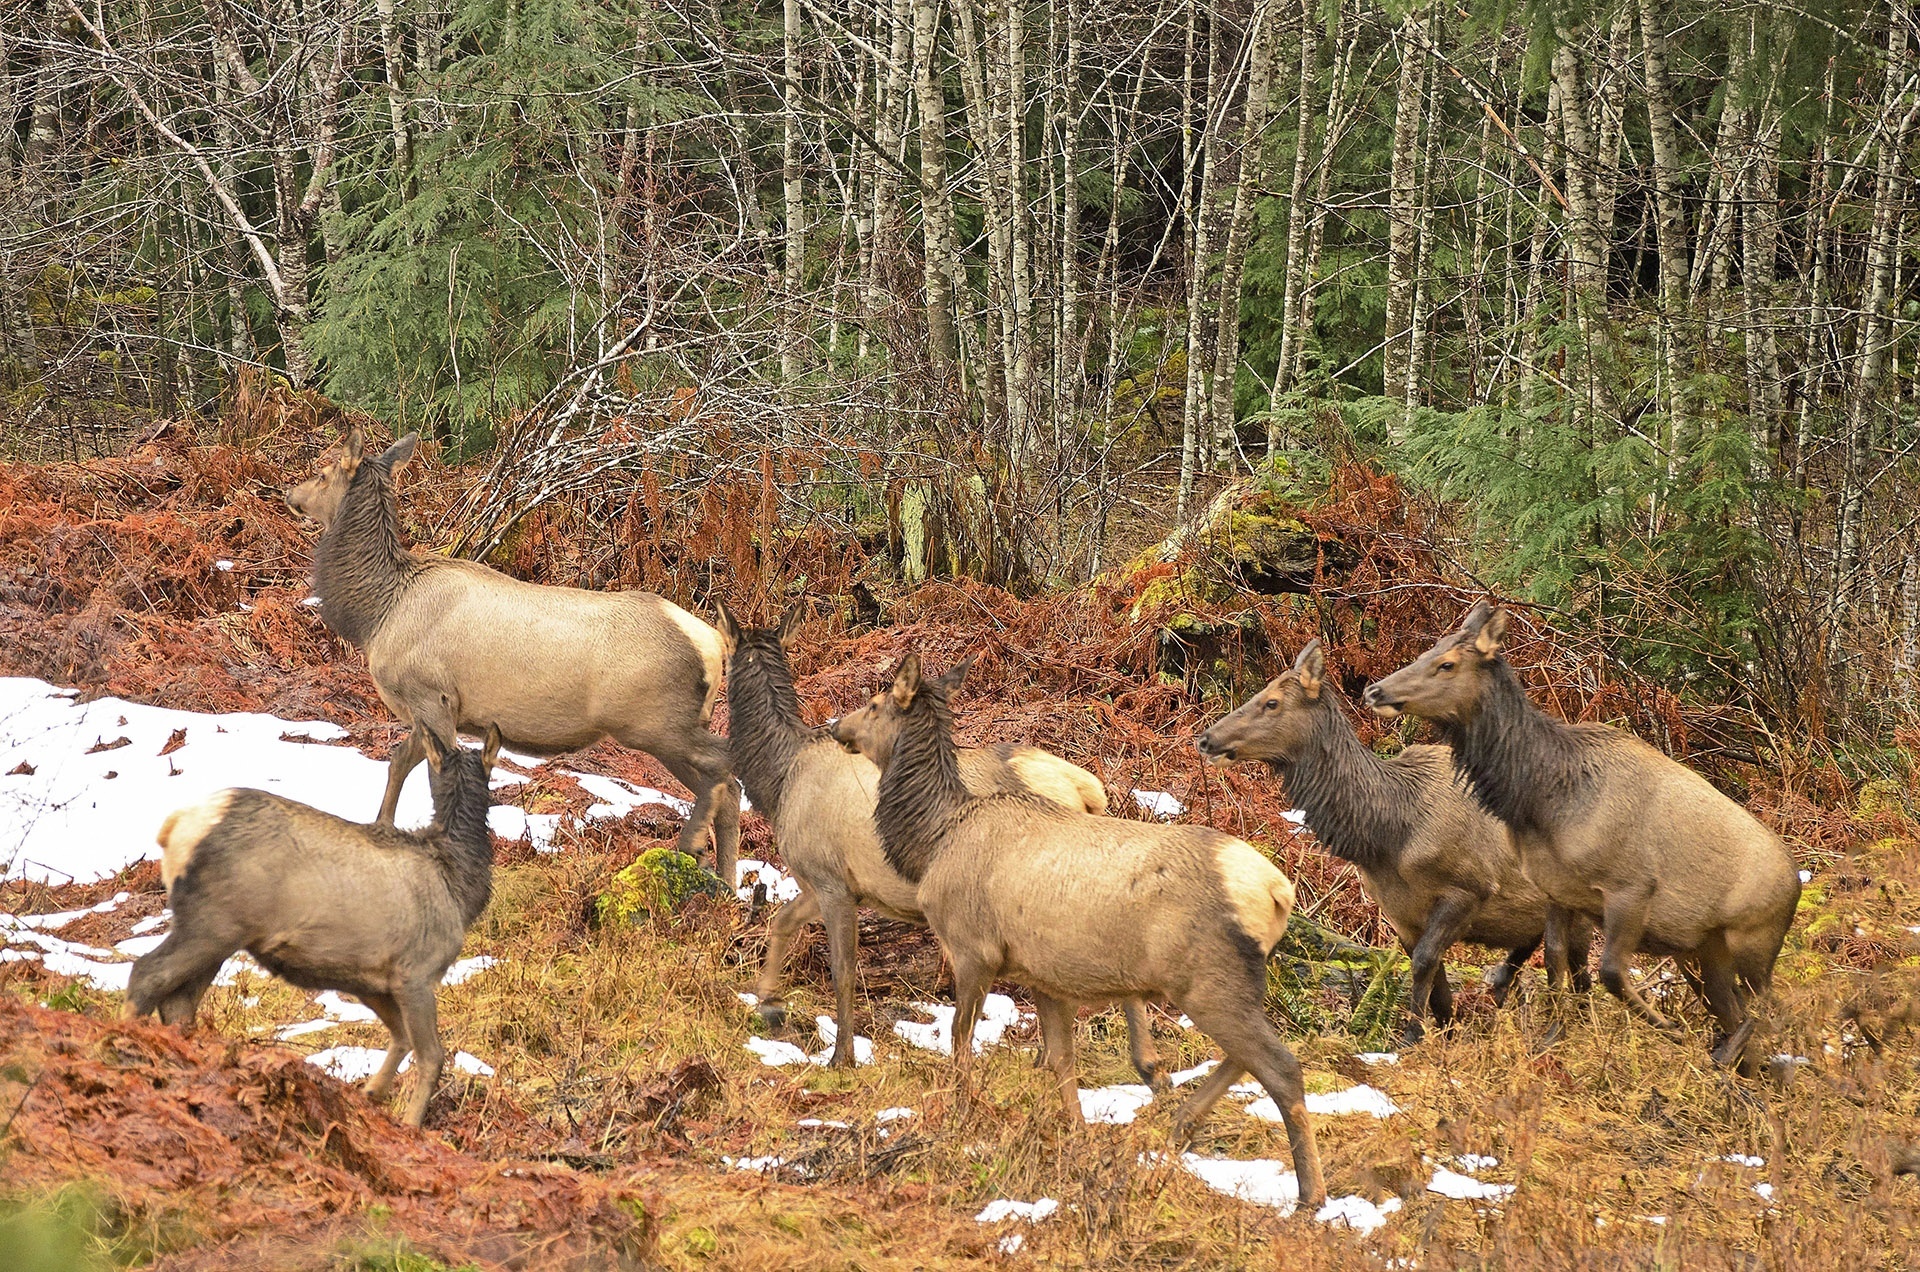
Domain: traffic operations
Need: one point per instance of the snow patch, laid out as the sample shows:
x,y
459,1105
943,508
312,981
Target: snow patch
x,y
779,1053
749,871
1114,1105
352,1064
84,814
1031,1211
1378,1057
468,968
622,797
1454,1185
1357,1213
998,1014
514,823
1159,803
1744,1159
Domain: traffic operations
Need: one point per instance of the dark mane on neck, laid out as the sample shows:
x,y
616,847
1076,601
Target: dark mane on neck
x,y
360,567
1359,806
920,789
766,730
1522,763
464,846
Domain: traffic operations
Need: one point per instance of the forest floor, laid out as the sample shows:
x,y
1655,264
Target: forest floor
x,y
620,1118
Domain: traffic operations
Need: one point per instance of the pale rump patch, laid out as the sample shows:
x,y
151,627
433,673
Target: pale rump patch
x,y
706,641
183,830
1062,781
1261,896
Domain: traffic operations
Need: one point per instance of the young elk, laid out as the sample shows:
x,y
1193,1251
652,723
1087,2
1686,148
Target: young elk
x,y
820,799
328,904
1611,829
1082,909
1439,867
453,646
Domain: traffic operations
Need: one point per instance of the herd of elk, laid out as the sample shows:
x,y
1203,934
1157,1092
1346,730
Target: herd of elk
x,y
1519,831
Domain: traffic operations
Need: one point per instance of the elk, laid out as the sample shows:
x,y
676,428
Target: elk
x,y
820,799
1080,908
1611,830
454,646
328,904
1440,867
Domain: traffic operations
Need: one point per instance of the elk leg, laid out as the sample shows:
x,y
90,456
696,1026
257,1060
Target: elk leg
x,y
422,1018
1723,998
406,757
843,938
1146,1057
1580,952
1251,1042
172,977
706,772
1441,1003
1446,922
1555,937
1204,1097
789,919
1500,980
391,1016
1056,1030
1625,924
970,981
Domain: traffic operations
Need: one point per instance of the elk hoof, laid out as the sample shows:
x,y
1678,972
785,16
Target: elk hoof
x,y
1413,1035
1731,1052
1156,1078
1583,982
772,1015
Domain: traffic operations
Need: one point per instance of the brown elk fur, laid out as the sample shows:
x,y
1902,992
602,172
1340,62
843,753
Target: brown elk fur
x,y
1439,866
820,799
455,646
1177,911
328,904
1611,829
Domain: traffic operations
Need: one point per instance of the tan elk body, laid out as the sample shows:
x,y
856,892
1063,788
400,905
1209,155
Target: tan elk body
x,y
328,904
1441,868
1611,829
1182,912
454,646
820,799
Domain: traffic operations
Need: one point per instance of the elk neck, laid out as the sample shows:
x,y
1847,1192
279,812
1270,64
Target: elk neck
x,y
1523,764
1360,807
920,790
360,567
766,730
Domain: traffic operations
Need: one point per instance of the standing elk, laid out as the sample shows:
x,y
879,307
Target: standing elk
x,y
328,904
820,799
1439,866
454,646
1081,908
1611,829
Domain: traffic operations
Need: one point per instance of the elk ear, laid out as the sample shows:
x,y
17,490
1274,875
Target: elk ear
x,y
1487,640
1311,668
957,674
906,681
728,629
437,748
491,751
400,452
791,620
355,443
1476,616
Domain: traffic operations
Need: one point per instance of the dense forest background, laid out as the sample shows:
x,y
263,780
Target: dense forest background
x,y
1628,288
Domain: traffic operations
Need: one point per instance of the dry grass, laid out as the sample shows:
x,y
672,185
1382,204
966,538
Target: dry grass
x,y
619,1053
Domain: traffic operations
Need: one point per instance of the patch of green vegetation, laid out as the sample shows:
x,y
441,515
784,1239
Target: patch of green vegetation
x,y
1882,795
391,1254
54,1234
658,883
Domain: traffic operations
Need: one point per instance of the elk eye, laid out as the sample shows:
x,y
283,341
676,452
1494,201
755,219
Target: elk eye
x,y
1272,704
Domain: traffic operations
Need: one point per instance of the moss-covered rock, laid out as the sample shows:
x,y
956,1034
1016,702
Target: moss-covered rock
x,y
659,882
1883,795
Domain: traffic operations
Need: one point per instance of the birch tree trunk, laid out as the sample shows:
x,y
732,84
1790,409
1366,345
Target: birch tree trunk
x,y
793,197
1670,223
1403,210
936,202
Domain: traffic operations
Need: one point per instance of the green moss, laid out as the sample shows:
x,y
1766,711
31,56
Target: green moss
x,y
1883,795
658,883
